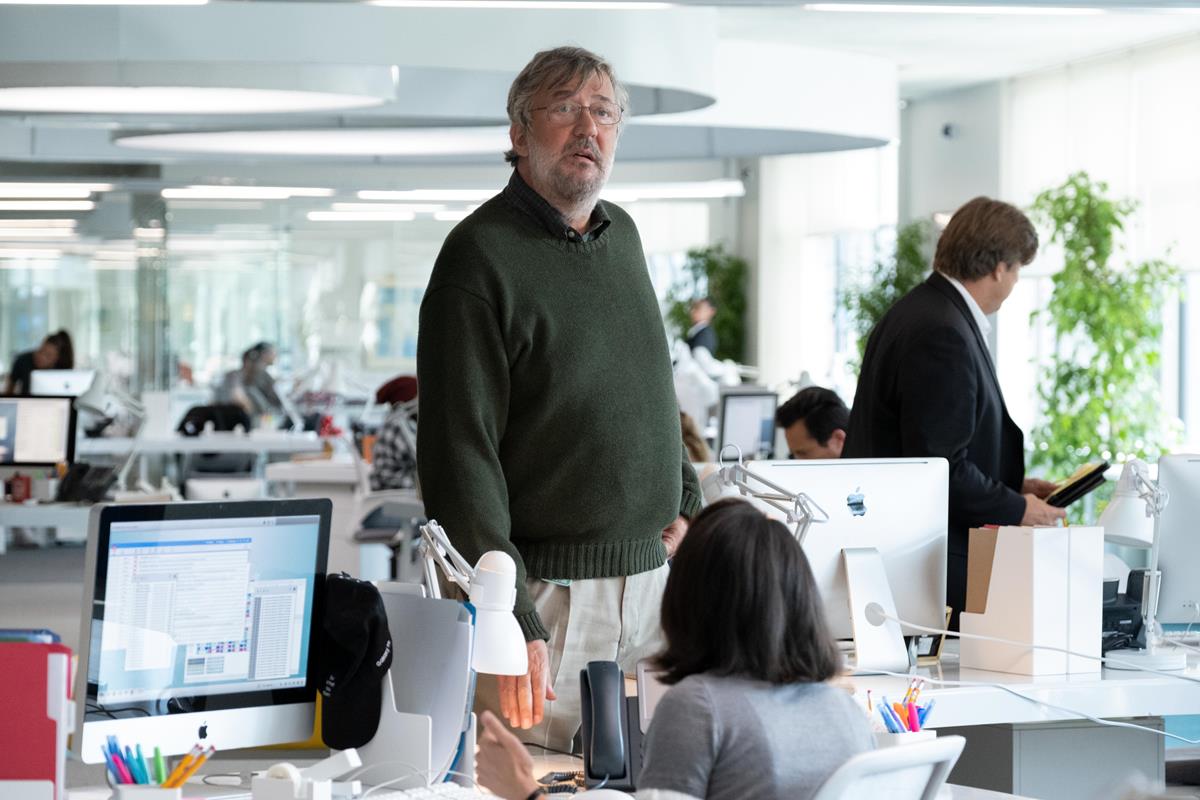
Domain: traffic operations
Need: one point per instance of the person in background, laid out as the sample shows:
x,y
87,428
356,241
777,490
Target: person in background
x,y
928,386
393,461
693,442
814,422
526,443
55,352
702,333
749,657
251,386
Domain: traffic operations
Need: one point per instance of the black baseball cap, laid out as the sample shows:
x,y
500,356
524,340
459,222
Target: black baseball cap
x,y
356,652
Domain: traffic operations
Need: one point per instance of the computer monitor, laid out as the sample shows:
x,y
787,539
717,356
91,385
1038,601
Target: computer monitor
x,y
1179,545
66,382
897,506
200,624
36,431
748,421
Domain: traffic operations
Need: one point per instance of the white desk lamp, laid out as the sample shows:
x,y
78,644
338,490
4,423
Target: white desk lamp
x,y
499,647
1131,518
801,510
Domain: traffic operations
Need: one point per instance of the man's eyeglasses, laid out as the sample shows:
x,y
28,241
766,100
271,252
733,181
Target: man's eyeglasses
x,y
567,112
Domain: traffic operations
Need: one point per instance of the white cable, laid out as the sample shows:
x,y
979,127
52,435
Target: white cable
x,y
875,612
876,616
1109,722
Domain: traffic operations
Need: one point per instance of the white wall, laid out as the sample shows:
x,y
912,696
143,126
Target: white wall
x,y
940,172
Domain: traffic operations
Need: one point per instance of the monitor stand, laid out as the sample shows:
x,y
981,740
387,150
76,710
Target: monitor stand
x,y
876,647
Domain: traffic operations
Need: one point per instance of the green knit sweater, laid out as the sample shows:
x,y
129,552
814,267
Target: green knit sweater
x,y
549,424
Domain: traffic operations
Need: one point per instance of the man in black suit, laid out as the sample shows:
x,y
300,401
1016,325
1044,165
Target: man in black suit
x,y
702,333
928,385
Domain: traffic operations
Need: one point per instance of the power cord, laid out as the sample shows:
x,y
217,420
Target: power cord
x,y
877,616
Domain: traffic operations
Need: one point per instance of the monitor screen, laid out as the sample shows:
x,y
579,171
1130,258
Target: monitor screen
x,y
748,421
199,614
68,382
36,431
1179,546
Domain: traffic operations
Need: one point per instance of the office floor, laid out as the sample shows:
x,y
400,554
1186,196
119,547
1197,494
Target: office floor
x,y
43,588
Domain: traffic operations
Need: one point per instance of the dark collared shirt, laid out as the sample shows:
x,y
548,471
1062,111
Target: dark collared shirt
x,y
526,198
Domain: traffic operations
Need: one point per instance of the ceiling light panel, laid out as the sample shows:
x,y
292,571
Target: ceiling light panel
x,y
47,205
417,208
201,192
330,141
62,191
929,8
361,216
38,223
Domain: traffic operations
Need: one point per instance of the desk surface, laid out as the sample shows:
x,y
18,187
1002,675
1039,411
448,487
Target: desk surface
x,y
216,442
339,469
1110,694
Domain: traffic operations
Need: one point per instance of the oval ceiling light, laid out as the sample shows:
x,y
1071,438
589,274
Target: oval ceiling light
x,y
329,141
190,88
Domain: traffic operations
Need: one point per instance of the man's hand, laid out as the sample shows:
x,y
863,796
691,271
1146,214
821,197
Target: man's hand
x,y
502,763
522,697
1038,488
673,534
1039,512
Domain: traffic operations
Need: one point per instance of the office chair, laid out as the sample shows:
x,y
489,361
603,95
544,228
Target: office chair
x,y
904,772
229,475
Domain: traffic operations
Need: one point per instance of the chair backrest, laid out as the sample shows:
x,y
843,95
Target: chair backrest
x,y
904,772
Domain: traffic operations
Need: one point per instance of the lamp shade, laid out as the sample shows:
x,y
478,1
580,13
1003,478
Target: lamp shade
x,y
499,644
1125,520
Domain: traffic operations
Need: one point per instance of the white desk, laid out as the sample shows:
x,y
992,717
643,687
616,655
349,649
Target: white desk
x,y
1017,745
70,520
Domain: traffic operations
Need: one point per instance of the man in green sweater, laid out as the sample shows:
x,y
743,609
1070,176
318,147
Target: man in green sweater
x,y
549,424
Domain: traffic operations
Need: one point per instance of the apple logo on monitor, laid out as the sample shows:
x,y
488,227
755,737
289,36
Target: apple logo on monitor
x,y
854,501
203,732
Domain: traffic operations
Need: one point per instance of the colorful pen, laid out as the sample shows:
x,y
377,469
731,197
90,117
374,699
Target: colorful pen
x,y
887,720
112,766
126,775
924,712
160,767
914,718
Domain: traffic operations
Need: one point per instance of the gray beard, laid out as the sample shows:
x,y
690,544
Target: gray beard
x,y
574,198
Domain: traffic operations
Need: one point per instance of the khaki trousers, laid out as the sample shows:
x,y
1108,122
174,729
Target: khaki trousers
x,y
603,619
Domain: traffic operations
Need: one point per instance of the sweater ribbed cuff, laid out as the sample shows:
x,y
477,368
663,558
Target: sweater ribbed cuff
x,y
532,627
690,505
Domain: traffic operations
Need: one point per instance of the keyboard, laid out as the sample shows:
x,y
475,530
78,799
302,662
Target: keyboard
x,y
444,791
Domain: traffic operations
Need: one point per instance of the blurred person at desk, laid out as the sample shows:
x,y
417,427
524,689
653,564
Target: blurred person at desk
x,y
55,352
702,333
549,423
393,463
814,423
252,387
928,385
751,711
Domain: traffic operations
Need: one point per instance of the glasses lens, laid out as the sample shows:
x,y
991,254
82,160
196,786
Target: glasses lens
x,y
606,113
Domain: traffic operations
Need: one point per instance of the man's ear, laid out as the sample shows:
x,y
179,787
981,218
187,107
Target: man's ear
x,y
519,138
1000,270
837,440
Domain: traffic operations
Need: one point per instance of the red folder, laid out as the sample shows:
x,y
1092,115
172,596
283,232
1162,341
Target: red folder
x,y
35,693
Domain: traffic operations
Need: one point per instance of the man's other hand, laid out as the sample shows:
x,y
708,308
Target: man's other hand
x,y
673,534
522,697
1039,512
1038,488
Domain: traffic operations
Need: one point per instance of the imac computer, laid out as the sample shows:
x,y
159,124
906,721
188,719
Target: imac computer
x,y
66,382
748,421
894,506
36,431
200,623
1179,540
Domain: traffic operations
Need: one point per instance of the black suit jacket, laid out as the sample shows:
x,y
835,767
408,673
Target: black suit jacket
x,y
705,337
928,388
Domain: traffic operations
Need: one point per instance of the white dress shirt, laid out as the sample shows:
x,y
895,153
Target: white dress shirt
x,y
981,320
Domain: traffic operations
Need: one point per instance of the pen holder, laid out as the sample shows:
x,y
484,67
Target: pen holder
x,y
134,791
883,740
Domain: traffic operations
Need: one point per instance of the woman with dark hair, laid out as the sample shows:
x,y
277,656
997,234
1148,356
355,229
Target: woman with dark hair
x,y
55,352
751,712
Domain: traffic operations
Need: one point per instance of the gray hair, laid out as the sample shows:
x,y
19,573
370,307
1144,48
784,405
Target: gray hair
x,y
551,68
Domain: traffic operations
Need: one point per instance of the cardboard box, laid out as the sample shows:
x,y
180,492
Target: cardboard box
x,y
1033,585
